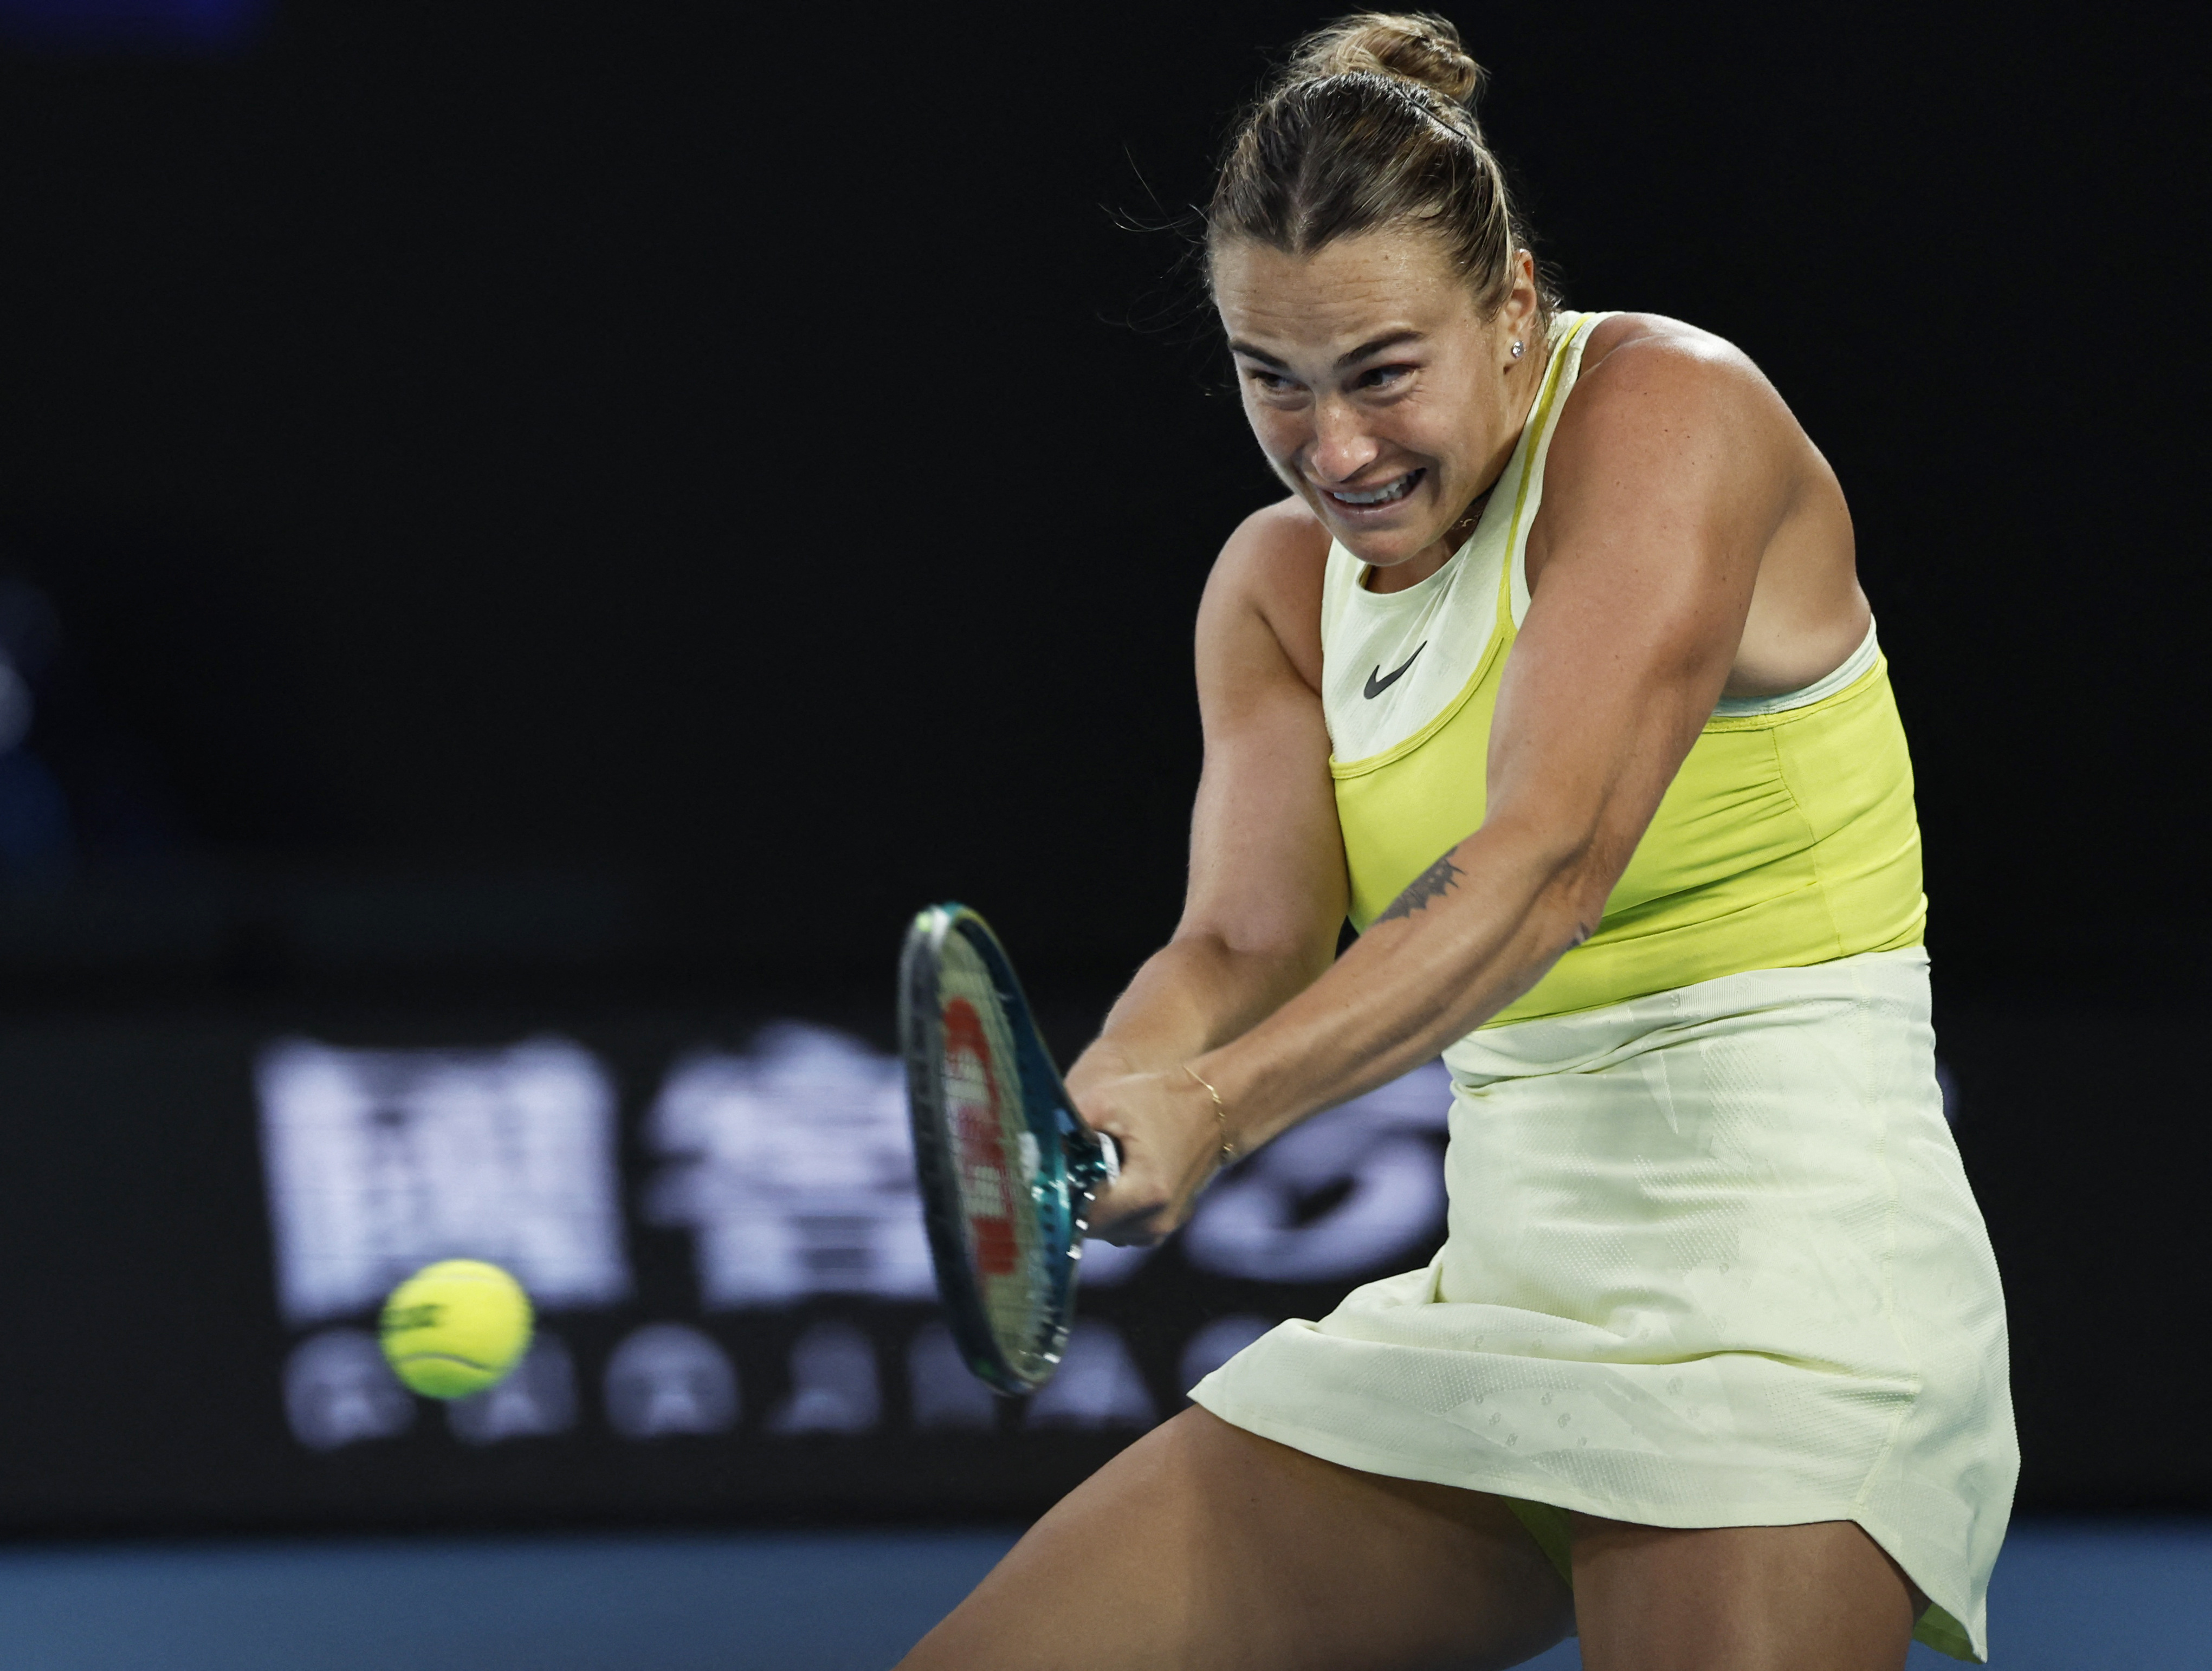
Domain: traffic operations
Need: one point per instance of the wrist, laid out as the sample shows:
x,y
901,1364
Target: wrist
x,y
1100,1060
1227,1149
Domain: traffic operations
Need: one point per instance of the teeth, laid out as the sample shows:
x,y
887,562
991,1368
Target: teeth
x,y
1383,496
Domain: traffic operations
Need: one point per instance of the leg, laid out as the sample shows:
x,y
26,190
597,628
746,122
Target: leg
x,y
1822,1597
1207,1547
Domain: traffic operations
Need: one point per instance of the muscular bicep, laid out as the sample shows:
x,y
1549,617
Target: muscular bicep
x,y
1266,860
1665,485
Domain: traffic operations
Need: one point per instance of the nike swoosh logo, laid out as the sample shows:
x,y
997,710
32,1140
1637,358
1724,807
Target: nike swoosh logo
x,y
1378,683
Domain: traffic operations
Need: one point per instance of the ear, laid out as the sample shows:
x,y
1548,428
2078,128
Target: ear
x,y
1521,301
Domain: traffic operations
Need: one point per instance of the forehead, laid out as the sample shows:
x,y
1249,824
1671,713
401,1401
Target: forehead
x,y
1347,292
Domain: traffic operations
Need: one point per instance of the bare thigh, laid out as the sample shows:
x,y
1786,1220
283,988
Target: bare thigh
x,y
1822,1597
1203,1545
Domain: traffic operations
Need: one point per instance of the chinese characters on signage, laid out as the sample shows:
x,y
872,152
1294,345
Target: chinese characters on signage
x,y
788,1167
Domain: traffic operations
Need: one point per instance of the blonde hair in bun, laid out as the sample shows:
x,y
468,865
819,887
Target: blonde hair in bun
x,y
1372,124
1415,47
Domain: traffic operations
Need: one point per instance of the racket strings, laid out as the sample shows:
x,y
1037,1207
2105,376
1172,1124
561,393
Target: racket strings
x,y
997,1155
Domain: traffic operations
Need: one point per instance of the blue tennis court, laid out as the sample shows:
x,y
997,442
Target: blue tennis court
x,y
2068,1595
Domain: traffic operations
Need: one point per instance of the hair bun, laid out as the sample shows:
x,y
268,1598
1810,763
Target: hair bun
x,y
1413,46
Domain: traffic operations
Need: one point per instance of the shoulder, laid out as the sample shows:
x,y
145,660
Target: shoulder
x,y
1661,383
1671,439
1282,543
1654,344
1670,423
1269,576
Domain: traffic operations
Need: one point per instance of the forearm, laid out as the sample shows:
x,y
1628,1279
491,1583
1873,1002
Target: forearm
x,y
1474,933
1195,994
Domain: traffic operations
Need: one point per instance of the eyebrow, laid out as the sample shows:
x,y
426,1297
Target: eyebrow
x,y
1391,339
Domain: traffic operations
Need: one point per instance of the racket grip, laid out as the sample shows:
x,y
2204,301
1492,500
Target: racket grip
x,y
1095,1163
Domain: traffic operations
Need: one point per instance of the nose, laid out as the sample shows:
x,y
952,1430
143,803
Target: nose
x,y
1342,447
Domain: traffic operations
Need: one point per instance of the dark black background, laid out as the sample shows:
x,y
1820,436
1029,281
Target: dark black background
x,y
608,505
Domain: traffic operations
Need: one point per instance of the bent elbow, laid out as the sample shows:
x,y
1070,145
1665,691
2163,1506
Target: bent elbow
x,y
1579,876
1285,950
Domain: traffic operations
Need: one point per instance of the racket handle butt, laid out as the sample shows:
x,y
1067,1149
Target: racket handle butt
x,y
1095,1162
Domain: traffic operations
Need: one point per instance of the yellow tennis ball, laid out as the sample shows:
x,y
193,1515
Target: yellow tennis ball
x,y
456,1328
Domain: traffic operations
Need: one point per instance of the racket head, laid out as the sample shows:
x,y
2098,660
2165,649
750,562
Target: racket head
x,y
1006,1166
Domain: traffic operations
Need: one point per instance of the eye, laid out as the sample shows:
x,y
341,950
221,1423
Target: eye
x,y
1269,382
1382,376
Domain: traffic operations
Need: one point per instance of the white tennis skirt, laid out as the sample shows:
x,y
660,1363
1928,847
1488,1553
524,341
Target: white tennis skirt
x,y
1712,1261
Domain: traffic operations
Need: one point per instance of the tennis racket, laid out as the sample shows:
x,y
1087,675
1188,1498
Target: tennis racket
x,y
1007,1167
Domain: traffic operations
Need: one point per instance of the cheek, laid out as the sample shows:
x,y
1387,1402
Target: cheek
x,y
1449,438
1280,434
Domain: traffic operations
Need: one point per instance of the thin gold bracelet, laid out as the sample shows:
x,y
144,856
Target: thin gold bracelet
x,y
1220,1114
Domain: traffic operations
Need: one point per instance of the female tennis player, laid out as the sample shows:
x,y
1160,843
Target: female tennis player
x,y
1553,673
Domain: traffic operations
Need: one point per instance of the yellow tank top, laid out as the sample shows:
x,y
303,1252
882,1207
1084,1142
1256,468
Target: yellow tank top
x,y
1787,838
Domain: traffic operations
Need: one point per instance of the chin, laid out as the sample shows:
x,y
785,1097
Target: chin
x,y
1384,540
1384,548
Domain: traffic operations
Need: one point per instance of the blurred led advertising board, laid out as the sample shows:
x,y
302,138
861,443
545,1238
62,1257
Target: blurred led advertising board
x,y
201,1210
713,1208
803,1309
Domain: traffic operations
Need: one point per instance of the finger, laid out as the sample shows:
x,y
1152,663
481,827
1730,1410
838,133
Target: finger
x,y
1133,1226
1131,1235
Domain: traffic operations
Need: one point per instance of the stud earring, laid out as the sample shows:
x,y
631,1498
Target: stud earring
x,y
1519,348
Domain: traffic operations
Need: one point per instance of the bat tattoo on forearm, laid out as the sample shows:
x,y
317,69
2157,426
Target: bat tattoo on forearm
x,y
1431,883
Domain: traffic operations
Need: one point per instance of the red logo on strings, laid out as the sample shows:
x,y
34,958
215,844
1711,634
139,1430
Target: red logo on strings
x,y
972,1089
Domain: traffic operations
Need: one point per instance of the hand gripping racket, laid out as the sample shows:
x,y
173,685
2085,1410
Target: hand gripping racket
x,y
1007,1165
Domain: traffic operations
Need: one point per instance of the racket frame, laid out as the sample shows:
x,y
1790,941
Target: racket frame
x,y
1072,1161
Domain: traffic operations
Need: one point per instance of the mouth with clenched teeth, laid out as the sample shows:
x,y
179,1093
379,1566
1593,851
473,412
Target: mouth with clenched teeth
x,y
1375,498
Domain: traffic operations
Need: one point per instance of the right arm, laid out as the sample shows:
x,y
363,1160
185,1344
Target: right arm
x,y
1267,890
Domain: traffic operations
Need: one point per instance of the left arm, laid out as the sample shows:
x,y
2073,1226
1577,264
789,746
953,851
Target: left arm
x,y
1669,475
